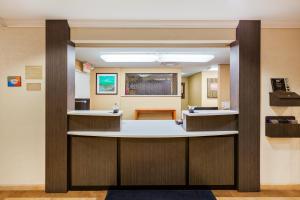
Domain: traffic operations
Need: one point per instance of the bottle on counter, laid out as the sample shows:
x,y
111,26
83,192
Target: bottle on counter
x,y
191,109
115,108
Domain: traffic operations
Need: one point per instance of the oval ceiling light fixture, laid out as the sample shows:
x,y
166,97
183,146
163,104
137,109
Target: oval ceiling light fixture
x,y
213,68
162,58
129,57
199,58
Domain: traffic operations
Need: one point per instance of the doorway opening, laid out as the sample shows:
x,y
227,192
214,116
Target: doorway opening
x,y
152,78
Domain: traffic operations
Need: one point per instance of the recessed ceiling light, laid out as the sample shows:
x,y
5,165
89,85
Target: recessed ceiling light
x,y
163,58
213,69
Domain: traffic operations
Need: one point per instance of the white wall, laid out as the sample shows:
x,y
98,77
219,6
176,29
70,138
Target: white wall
x,y
22,113
82,85
280,57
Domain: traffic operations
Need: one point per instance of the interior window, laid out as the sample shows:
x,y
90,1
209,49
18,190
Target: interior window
x,y
151,84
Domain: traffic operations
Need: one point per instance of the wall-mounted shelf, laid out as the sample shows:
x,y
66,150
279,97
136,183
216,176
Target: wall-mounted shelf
x,y
284,99
282,130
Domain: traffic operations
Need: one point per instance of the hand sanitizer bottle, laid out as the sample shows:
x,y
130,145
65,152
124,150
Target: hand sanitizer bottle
x,y
115,108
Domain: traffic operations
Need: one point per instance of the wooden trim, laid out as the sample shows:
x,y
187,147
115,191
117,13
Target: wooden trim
x,y
41,187
22,187
280,187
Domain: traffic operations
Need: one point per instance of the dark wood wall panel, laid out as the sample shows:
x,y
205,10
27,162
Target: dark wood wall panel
x,y
60,73
210,123
153,161
94,123
211,161
93,161
247,50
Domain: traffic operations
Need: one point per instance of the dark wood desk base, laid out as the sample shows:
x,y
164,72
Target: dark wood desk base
x,y
97,162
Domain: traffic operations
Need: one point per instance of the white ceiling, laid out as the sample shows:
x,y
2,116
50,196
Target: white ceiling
x,y
92,55
267,10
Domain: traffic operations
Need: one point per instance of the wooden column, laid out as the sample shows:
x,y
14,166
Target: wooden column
x,y
60,73
245,97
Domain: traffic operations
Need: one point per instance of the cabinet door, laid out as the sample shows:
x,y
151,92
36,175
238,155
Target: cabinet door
x,y
153,161
93,161
211,160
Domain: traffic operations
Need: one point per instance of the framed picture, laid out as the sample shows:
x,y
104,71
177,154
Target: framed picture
x,y
106,83
212,88
14,81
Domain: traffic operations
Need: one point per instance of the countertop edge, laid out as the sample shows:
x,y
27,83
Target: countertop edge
x,y
147,135
210,113
95,113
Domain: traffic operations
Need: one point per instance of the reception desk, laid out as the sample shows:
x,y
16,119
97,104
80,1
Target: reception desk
x,y
148,153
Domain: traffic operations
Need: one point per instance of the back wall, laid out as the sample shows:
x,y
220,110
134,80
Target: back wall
x,y
129,103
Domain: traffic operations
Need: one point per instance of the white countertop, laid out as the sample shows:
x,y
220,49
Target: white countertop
x,y
94,112
151,129
210,112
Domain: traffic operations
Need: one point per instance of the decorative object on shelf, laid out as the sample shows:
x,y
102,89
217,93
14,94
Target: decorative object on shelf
x,y
280,84
281,95
14,81
182,90
106,83
212,88
282,127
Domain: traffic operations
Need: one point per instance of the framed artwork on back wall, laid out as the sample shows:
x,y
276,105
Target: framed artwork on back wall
x,y
106,83
212,88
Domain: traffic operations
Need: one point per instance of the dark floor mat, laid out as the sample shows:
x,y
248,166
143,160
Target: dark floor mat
x,y
160,195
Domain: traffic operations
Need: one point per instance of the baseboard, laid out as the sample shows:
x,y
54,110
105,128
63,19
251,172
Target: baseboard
x,y
42,187
22,187
280,187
